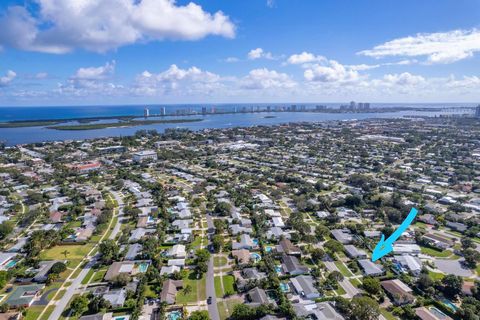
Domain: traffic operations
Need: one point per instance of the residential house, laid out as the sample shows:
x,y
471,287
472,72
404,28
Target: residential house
x,y
287,247
246,242
304,286
257,297
408,263
116,297
398,292
344,236
292,266
371,269
320,311
170,290
355,253
242,256
24,296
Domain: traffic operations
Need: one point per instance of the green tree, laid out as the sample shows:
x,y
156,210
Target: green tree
x,y
452,285
333,246
364,308
109,250
217,242
371,285
79,305
58,268
199,315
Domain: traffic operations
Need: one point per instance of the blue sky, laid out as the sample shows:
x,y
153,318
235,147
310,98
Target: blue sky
x,y
56,52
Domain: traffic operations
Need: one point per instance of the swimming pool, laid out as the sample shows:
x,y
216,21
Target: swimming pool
x,y
255,242
278,269
174,315
255,256
439,314
450,305
142,267
10,264
268,249
284,287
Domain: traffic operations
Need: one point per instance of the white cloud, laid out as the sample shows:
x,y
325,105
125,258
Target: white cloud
x,y
442,47
331,71
232,59
304,57
270,3
95,73
263,78
177,80
403,79
259,53
41,75
7,78
62,26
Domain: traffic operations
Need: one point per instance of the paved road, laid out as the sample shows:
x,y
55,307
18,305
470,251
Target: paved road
x,y
212,308
117,227
62,303
350,290
77,282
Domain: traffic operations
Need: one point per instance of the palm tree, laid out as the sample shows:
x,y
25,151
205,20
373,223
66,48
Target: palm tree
x,y
187,289
65,253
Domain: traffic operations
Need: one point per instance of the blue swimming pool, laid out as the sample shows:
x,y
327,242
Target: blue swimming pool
x,y
255,242
174,315
142,267
439,314
11,264
255,256
450,305
278,269
268,249
284,287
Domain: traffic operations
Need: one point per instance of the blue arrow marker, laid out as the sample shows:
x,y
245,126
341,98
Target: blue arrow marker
x,y
386,246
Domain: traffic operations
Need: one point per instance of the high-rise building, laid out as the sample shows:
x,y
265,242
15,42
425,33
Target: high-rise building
x,y
294,107
212,109
353,105
477,111
366,105
204,110
163,111
146,112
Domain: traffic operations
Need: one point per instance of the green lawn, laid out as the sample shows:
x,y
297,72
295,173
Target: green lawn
x,y
73,252
98,276
387,315
196,285
355,282
149,293
219,261
343,269
228,285
60,294
436,275
218,287
33,312
340,291
225,308
88,276
436,253
47,313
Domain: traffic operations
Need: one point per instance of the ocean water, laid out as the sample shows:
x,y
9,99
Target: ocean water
x,y
13,136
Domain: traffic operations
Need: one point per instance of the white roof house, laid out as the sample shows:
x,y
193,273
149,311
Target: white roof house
x,y
177,251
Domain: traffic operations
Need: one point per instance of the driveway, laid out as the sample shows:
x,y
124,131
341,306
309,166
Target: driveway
x,y
453,267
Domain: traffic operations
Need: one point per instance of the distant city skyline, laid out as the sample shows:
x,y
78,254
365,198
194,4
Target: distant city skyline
x,y
54,52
